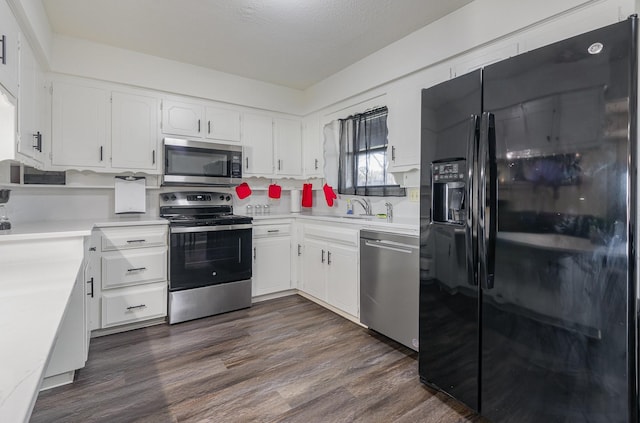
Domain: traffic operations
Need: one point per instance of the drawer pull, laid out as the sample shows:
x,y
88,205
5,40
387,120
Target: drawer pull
x,y
133,241
273,230
136,269
136,307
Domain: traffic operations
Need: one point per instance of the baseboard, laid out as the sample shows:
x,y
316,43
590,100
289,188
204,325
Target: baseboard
x,y
124,328
337,311
57,380
274,295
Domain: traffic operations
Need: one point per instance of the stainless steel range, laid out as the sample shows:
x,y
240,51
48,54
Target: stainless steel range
x,y
209,255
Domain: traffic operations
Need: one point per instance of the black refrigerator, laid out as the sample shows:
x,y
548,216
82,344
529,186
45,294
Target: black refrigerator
x,y
528,297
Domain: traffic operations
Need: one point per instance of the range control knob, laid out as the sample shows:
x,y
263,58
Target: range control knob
x,y
228,198
221,197
165,197
173,198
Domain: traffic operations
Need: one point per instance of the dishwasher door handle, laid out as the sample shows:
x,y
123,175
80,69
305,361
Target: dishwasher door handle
x,y
390,245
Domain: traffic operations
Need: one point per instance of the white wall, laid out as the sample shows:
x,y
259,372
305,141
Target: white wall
x,y
35,26
84,58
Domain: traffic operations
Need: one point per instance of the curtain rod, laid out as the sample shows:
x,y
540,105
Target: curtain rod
x,y
369,113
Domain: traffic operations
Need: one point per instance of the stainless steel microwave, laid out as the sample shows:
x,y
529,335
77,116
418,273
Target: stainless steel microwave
x,y
189,162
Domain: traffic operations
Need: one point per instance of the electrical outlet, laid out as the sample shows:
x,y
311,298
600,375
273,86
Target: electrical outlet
x,y
414,195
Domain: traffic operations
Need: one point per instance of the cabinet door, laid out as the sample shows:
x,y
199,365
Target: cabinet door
x,y
222,124
271,265
288,147
69,351
312,148
314,258
29,104
9,64
257,140
134,132
342,278
180,118
81,126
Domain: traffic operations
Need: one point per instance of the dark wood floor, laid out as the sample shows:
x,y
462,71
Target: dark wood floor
x,y
281,360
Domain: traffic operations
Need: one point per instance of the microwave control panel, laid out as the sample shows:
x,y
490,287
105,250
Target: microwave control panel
x,y
236,166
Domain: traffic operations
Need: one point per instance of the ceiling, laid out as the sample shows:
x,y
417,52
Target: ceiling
x,y
294,43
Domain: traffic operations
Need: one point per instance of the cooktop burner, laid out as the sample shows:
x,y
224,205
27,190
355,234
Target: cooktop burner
x,y
199,209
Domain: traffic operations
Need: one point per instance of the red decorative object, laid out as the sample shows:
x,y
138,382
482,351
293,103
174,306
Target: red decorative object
x,y
307,195
243,190
275,191
329,194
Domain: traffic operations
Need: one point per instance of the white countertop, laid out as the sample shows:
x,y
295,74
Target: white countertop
x,y
398,224
33,300
71,228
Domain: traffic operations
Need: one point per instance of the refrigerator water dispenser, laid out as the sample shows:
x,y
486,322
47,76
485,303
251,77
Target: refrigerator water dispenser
x,y
449,191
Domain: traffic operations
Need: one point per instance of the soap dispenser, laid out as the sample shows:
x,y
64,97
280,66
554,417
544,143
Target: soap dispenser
x,y
349,207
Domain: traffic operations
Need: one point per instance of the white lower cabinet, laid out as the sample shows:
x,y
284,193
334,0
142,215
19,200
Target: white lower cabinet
x,y
128,280
330,266
271,258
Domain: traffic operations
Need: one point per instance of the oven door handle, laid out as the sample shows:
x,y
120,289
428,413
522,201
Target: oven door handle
x,y
191,229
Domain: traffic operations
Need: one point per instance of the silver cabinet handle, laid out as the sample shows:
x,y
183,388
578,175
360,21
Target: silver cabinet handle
x,y
254,253
322,261
153,157
328,257
101,151
198,125
135,307
136,269
393,153
38,144
299,250
208,127
133,241
273,230
279,164
316,164
246,160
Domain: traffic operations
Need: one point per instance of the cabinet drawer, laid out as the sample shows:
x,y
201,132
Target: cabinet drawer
x,y
271,230
333,234
124,268
124,238
134,304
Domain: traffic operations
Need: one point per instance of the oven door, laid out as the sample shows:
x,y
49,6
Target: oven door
x,y
201,163
211,255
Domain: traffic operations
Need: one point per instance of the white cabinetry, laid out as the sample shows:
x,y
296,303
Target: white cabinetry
x,y
287,138
81,126
97,129
330,266
271,146
130,276
257,142
312,147
31,96
271,258
134,131
200,121
9,42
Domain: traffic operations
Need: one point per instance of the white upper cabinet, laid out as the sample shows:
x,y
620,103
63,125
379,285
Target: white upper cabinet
x,y
134,131
312,148
80,126
257,141
198,121
31,96
180,118
222,124
287,137
9,42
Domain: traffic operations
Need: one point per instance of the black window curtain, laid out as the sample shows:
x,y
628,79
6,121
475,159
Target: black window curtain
x,y
363,162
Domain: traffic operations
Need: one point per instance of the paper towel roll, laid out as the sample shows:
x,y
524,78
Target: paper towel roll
x,y
295,201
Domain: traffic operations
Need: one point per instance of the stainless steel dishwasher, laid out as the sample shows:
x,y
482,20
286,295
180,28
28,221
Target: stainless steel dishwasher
x,y
389,285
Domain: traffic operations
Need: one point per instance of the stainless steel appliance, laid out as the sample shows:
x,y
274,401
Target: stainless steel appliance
x,y
189,162
389,285
528,307
209,255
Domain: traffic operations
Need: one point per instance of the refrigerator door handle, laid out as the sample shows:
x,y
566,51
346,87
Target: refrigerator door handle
x,y
471,230
487,201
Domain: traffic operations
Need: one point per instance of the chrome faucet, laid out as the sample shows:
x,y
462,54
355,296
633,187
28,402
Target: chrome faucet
x,y
389,211
366,205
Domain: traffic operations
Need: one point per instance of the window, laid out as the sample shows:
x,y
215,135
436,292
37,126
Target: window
x,y
363,164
